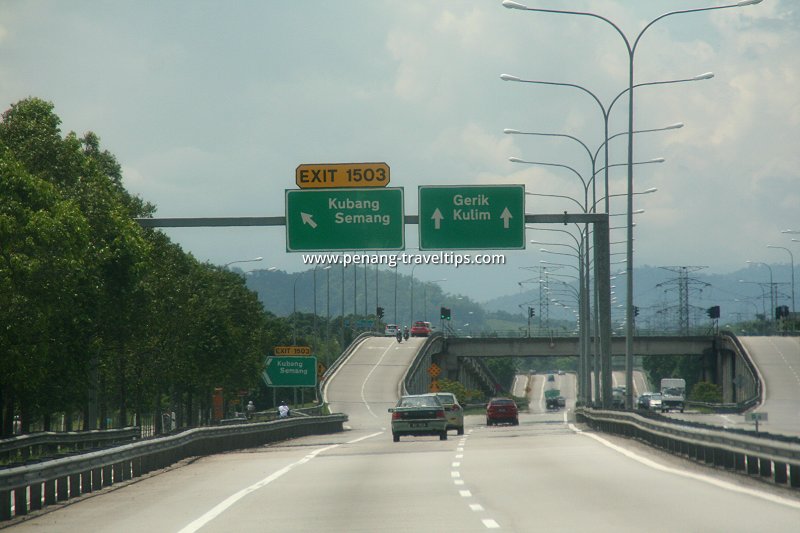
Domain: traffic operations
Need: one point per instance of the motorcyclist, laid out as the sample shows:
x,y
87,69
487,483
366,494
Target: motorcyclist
x,y
399,335
405,332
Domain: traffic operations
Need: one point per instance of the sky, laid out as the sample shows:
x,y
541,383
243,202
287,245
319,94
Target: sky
x,y
210,106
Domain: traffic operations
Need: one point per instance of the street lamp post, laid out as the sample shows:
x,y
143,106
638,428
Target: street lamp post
x,y
771,285
294,308
631,49
791,258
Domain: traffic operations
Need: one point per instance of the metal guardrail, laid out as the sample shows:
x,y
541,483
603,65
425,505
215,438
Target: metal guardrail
x,y
47,444
34,486
755,375
762,456
331,370
416,380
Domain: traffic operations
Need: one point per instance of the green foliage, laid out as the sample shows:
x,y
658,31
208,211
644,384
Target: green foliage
x,y
99,314
705,391
465,396
504,369
688,367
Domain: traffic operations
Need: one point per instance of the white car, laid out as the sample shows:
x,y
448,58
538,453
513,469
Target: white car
x,y
391,330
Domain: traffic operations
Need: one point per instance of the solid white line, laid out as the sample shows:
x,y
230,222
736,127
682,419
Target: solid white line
x,y
698,477
364,384
365,438
228,502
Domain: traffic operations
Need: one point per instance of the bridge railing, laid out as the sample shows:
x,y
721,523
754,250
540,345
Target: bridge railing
x,y
774,458
34,486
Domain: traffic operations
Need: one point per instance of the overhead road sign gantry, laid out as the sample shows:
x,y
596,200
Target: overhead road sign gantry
x,y
471,217
344,219
337,175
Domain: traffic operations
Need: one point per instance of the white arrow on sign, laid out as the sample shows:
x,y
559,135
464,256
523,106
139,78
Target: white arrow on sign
x,y
308,220
506,216
437,219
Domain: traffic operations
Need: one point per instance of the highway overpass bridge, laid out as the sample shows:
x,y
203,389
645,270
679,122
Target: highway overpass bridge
x,y
570,346
460,359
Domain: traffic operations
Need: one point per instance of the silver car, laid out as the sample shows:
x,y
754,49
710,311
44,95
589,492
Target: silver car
x,y
421,414
654,402
452,411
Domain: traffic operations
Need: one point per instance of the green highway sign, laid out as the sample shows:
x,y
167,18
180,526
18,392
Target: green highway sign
x,y
344,219
290,371
471,217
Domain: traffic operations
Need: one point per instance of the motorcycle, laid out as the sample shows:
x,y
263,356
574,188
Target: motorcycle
x,y
399,336
405,333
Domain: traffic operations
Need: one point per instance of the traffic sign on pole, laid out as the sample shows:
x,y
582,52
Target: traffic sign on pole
x,y
292,350
344,219
290,371
471,217
335,175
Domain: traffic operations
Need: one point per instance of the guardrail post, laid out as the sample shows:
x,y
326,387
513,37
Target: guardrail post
x,y
107,476
136,467
97,479
117,472
752,465
62,493
74,485
739,462
21,501
765,467
5,505
781,478
36,496
86,481
50,492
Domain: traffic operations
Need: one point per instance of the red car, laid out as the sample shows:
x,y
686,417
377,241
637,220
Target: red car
x,y
421,329
502,411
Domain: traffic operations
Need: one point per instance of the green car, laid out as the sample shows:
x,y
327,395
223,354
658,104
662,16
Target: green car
x,y
421,414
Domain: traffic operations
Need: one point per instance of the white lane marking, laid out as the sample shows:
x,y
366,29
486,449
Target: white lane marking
x,y
465,494
460,456
698,477
228,502
365,438
455,474
458,482
364,384
459,449
490,524
476,507
455,464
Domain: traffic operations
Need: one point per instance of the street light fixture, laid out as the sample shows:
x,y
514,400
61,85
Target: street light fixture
x,y
791,257
631,49
244,261
771,284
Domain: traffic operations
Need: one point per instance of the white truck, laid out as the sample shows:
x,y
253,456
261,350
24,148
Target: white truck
x,y
673,394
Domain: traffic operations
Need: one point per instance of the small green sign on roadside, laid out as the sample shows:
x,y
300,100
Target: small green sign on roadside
x,y
344,219
290,371
471,217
